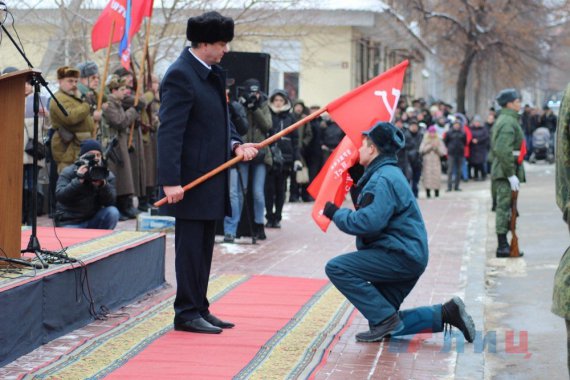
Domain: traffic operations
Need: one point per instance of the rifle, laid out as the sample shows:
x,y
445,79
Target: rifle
x,y
110,152
514,240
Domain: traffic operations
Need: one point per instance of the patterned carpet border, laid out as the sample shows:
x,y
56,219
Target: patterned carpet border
x,y
297,348
85,251
100,356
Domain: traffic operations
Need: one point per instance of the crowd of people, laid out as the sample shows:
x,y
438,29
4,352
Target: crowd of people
x,y
147,144
110,131
438,141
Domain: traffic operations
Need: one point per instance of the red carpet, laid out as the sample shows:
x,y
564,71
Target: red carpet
x,y
48,237
259,307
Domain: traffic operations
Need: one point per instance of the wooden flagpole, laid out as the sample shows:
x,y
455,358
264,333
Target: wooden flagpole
x,y
104,78
235,160
140,82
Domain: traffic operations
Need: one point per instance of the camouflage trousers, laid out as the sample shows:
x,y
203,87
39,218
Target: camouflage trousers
x,y
561,289
568,342
501,190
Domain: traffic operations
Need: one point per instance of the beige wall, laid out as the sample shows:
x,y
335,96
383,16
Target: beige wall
x,y
326,60
327,65
35,41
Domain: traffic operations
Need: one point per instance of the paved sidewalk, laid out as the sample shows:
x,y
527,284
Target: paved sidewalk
x,y
501,295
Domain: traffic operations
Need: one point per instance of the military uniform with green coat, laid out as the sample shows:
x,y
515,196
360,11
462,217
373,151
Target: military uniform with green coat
x,y
506,172
561,295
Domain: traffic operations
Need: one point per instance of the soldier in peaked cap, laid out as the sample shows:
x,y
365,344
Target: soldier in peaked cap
x,y
392,247
196,136
507,171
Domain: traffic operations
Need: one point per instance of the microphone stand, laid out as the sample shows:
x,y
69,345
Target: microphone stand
x,y
34,244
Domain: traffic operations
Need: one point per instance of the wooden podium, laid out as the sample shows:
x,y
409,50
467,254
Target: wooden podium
x,y
12,103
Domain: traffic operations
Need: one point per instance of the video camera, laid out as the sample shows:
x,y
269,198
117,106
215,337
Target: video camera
x,y
246,95
95,172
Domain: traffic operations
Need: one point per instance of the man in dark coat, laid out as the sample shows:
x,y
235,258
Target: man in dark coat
x,y
479,148
455,140
196,136
413,141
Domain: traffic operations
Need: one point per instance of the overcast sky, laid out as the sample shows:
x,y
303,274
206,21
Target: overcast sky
x,y
372,5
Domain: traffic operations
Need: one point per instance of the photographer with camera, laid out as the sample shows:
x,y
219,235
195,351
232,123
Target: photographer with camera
x,y
85,192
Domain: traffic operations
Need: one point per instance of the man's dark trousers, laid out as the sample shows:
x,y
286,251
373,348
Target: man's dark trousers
x,y
194,243
376,283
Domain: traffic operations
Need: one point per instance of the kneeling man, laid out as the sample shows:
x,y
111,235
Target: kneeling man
x,y
392,247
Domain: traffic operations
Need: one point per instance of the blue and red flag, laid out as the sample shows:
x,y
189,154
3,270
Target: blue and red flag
x,y
128,16
125,45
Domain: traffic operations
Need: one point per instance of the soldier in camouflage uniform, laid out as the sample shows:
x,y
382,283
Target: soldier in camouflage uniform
x,y
506,172
561,296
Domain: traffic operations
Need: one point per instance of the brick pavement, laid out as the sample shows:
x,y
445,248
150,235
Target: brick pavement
x,y
301,249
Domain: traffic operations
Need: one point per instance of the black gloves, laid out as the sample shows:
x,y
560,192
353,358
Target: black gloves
x,y
356,172
329,210
249,101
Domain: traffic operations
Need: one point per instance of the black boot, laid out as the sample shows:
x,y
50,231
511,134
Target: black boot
x,y
428,193
259,231
436,193
151,195
387,327
503,249
126,208
143,204
453,313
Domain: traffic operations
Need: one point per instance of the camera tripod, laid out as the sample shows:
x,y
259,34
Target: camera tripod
x,y
34,244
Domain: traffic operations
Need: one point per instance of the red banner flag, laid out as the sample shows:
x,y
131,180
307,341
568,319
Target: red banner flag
x,y
355,112
375,100
333,181
116,11
522,153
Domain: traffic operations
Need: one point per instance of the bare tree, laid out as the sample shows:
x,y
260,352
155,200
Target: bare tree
x,y
509,39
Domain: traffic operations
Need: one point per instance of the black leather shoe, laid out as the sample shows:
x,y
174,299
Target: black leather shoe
x,y
215,321
198,325
382,330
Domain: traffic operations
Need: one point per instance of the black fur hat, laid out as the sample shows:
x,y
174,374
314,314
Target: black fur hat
x,y
210,27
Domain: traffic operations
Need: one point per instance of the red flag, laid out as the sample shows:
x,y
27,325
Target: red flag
x,y
355,112
375,100
116,11
522,153
333,181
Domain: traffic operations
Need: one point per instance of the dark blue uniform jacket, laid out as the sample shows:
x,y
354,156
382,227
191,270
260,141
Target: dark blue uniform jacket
x,y
387,217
